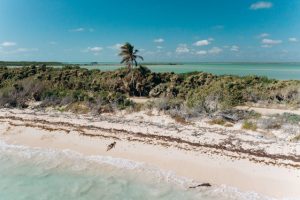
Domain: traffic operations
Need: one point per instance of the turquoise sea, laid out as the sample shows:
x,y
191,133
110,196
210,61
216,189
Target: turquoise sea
x,y
282,71
44,174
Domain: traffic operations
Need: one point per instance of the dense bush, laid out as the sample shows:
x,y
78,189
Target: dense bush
x,y
188,93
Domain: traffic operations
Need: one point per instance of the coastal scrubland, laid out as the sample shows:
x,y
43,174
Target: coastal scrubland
x,y
182,96
195,92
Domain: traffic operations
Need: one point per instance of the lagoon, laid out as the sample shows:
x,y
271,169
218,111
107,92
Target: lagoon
x,y
281,71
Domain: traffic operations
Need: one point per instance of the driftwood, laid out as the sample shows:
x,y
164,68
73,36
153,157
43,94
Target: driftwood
x,y
201,185
112,145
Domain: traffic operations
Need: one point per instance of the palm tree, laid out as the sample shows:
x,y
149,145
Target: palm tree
x,y
129,55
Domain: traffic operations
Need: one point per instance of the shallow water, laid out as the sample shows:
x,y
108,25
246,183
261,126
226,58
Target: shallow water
x,y
39,174
283,71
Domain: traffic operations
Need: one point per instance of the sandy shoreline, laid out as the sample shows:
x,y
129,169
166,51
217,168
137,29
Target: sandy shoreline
x,y
271,168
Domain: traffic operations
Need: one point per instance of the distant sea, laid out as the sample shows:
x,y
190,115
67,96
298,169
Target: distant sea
x,y
45,174
282,71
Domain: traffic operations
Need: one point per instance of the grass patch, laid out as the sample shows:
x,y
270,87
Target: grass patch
x,y
254,115
228,125
78,107
179,119
221,122
291,118
249,125
270,123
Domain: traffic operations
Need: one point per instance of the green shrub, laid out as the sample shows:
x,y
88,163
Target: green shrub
x,y
291,118
249,125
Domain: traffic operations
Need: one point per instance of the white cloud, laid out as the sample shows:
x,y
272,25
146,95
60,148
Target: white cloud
x,y
201,53
261,5
271,42
182,48
293,39
201,43
234,48
263,35
115,46
159,40
77,30
159,47
266,46
8,44
26,49
215,50
268,43
81,29
94,50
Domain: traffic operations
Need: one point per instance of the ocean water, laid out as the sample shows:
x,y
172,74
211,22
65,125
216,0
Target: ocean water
x,y
282,71
45,174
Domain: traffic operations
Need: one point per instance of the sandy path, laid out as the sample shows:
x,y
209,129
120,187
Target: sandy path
x,y
269,111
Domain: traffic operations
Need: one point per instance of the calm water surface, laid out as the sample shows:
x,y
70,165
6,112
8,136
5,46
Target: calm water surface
x,y
37,174
283,71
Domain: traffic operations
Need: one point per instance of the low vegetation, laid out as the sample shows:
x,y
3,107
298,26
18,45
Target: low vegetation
x,y
296,138
182,96
187,95
277,121
249,125
221,122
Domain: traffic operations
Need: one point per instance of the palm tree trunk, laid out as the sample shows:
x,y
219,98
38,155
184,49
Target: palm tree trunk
x,y
132,80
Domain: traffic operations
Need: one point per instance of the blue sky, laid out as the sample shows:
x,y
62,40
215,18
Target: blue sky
x,y
164,30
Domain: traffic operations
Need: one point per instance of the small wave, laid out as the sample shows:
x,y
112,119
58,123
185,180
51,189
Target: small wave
x,y
67,159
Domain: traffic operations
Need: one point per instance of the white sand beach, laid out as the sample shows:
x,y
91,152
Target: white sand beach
x,y
204,153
